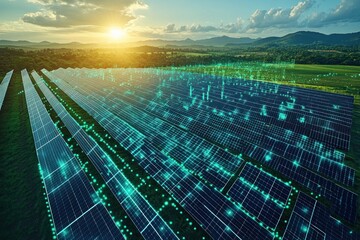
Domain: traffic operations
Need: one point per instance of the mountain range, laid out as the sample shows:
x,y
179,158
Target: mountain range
x,y
302,38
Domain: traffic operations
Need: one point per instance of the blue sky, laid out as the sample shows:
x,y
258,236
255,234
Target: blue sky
x,y
92,20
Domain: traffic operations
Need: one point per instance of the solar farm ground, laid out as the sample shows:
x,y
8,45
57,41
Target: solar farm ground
x,y
187,148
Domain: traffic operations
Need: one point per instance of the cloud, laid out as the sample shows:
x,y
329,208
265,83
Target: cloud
x,y
198,28
195,28
345,11
300,15
170,28
278,17
236,27
70,13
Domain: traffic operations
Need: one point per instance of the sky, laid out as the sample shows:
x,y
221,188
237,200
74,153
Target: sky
x,y
96,21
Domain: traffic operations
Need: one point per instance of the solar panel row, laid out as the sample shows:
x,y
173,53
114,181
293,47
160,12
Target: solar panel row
x,y
145,218
311,220
208,206
4,86
76,209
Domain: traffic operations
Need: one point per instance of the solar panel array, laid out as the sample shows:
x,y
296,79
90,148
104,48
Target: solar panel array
x,y
231,152
4,86
219,216
76,209
145,218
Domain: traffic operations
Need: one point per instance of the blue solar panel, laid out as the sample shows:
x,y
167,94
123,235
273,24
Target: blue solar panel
x,y
261,194
4,86
311,220
138,209
75,207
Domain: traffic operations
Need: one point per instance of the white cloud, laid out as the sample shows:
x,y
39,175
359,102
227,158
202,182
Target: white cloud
x,y
278,17
69,13
236,27
195,28
198,28
345,11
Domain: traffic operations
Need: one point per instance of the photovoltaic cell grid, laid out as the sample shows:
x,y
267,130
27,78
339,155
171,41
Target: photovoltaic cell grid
x,y
75,207
310,220
298,161
261,193
145,218
219,216
4,86
145,92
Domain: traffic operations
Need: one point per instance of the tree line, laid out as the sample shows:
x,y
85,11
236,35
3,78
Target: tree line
x,y
11,58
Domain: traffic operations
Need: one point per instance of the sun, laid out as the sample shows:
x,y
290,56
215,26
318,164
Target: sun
x,y
116,33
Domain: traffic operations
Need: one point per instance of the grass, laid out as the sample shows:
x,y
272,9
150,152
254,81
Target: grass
x,y
330,78
22,204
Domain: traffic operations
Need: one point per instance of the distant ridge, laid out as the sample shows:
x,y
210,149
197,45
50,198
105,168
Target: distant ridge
x,y
292,39
311,38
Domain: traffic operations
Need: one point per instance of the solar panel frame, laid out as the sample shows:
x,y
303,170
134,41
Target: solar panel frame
x,y
4,86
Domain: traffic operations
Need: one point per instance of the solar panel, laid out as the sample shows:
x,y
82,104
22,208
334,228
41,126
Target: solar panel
x,y
261,194
311,220
4,86
76,209
145,218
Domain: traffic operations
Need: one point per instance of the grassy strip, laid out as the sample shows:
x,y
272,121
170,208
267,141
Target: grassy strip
x,y
23,210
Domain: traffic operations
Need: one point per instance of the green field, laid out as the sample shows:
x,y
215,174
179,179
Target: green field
x,y
330,78
22,201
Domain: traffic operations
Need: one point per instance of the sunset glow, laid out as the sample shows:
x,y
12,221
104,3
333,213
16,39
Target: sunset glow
x,y
117,33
